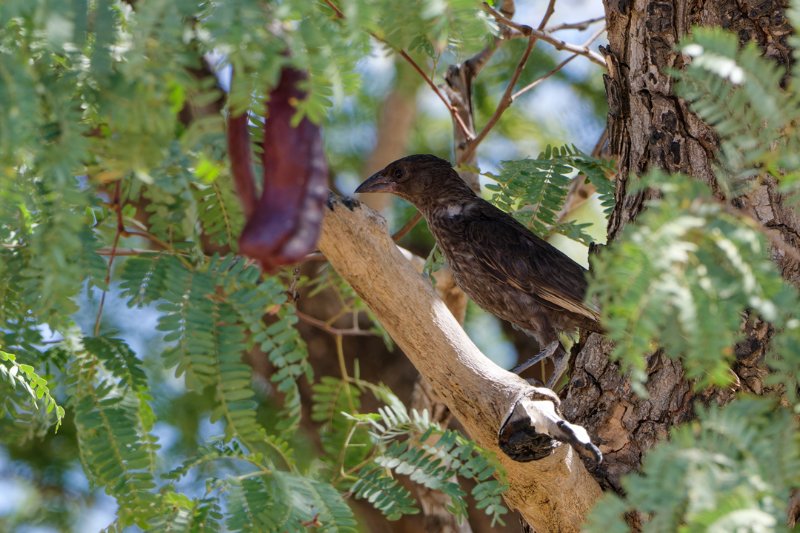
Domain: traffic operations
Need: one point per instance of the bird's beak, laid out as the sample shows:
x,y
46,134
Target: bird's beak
x,y
378,182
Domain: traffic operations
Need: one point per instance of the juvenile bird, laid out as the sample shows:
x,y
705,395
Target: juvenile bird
x,y
495,260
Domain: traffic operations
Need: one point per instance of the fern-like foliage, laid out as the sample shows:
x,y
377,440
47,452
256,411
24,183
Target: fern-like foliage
x,y
117,450
688,295
143,278
732,470
534,190
429,28
287,502
384,492
411,444
210,338
738,92
219,211
25,394
188,515
345,443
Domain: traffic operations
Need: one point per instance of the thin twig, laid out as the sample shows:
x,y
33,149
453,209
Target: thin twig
x,y
408,226
117,202
533,36
343,371
539,80
558,44
582,25
429,81
164,245
340,15
551,8
499,17
558,67
324,326
477,62
505,100
125,252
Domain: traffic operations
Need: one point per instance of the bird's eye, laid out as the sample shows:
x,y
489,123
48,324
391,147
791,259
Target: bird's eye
x,y
396,173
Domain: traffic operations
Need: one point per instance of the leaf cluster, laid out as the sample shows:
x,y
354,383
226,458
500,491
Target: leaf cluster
x,y
114,181
410,444
741,94
731,470
535,190
681,278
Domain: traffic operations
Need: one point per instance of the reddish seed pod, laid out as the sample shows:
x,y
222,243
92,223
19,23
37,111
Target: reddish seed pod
x,y
284,224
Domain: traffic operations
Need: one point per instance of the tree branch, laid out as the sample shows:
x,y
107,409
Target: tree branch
x,y
539,33
554,493
558,67
582,25
340,15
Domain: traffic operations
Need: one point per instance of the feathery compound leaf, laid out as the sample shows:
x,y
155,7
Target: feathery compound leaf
x,y
187,315
430,27
144,278
383,492
19,379
534,190
210,334
219,211
287,502
738,92
187,515
116,452
688,297
735,464
410,444
252,298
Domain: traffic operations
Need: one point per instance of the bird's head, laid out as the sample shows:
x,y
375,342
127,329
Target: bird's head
x,y
415,178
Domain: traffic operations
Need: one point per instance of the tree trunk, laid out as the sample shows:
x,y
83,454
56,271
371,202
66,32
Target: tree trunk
x,y
649,127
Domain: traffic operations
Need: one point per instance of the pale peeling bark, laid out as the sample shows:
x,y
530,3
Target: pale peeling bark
x,y
552,494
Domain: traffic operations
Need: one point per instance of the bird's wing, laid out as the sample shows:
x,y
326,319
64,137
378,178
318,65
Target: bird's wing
x,y
515,256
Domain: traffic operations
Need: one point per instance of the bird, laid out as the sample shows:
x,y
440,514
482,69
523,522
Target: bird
x,y
501,265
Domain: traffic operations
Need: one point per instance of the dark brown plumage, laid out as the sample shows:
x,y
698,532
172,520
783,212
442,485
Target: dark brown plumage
x,y
496,261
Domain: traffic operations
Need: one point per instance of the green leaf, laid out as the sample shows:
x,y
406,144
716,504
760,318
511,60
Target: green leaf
x,y
21,380
736,465
680,277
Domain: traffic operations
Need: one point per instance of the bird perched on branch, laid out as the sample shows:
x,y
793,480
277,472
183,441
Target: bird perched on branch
x,y
498,262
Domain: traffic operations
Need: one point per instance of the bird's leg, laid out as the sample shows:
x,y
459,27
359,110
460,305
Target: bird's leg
x,y
560,365
548,351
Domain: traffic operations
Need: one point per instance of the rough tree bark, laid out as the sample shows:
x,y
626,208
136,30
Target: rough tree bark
x,y
649,127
